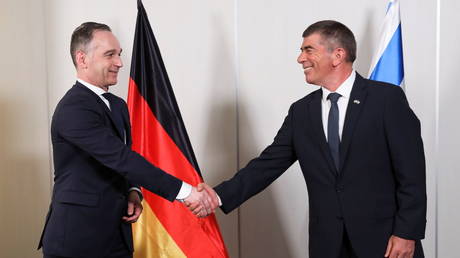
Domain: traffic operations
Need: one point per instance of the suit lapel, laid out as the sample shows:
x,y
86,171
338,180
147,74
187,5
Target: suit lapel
x,y
314,106
118,117
355,105
127,125
104,106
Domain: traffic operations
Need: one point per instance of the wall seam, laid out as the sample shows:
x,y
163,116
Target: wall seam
x,y
237,84
48,92
436,138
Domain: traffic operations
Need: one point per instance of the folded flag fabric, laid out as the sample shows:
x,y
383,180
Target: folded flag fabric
x,y
387,64
164,229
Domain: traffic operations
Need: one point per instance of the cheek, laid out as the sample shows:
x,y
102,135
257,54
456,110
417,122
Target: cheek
x,y
313,60
100,68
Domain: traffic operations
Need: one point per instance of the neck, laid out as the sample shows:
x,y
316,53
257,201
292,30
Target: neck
x,y
88,80
337,79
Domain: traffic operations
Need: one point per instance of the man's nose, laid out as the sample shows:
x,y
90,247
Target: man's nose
x,y
301,58
118,62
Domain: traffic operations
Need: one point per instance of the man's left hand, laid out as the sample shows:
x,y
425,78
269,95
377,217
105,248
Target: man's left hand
x,y
134,207
400,248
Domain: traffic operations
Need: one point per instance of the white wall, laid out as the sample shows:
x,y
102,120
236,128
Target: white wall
x,y
233,68
448,134
24,140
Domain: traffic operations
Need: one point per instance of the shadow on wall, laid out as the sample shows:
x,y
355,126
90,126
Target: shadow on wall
x,y
24,176
259,231
221,125
259,228
261,224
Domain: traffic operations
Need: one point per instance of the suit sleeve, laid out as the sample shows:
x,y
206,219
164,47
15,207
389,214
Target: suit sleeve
x,y
80,123
261,171
402,128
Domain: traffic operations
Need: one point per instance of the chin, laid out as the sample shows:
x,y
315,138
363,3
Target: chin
x,y
111,83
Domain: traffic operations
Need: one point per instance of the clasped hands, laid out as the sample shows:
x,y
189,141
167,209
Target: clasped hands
x,y
202,201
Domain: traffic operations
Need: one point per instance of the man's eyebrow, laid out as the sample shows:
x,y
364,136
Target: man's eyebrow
x,y
110,51
307,47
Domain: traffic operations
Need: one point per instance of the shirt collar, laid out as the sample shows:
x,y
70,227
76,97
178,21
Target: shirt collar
x,y
93,88
344,89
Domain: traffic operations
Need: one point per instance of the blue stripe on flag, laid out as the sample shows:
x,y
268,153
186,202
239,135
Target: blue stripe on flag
x,y
389,5
390,67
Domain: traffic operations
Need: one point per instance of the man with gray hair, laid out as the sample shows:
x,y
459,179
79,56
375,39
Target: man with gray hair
x,y
359,147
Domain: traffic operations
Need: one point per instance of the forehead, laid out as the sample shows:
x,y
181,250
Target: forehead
x,y
104,40
312,40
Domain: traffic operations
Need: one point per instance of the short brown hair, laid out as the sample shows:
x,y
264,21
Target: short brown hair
x,y
83,35
336,34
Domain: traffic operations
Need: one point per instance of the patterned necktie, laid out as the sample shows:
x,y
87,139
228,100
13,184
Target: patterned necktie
x,y
333,128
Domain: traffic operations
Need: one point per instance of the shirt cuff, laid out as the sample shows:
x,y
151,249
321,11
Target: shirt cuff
x,y
138,191
218,198
184,191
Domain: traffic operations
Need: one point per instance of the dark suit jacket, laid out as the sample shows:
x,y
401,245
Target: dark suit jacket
x,y
379,189
94,169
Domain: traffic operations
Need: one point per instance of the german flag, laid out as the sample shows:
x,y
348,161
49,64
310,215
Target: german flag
x,y
164,229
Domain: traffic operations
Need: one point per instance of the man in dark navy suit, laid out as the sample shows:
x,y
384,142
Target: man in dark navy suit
x,y
97,176
360,150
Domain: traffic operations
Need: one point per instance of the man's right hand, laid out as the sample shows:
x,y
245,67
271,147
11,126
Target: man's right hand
x,y
215,201
199,202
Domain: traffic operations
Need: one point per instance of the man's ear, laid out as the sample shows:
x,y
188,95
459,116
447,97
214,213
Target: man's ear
x,y
339,56
81,59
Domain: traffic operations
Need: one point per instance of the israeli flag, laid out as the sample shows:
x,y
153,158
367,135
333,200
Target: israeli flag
x,y
387,63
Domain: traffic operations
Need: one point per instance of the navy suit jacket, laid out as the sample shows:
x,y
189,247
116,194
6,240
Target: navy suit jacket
x,y
94,169
379,189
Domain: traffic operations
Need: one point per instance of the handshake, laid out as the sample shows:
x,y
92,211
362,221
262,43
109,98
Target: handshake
x,y
202,201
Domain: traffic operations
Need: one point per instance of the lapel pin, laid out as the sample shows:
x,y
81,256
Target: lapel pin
x,y
356,101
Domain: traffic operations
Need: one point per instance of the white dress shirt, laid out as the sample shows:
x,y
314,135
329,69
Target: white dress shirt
x,y
97,90
185,189
344,90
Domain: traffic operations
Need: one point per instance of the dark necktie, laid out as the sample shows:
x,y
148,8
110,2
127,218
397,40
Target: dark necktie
x,y
116,114
333,128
